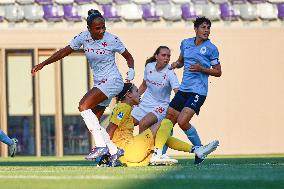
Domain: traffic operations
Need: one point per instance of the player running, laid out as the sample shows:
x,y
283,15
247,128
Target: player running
x,y
200,59
100,48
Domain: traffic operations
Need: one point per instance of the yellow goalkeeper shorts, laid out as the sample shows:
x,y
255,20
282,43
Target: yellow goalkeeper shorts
x,y
138,149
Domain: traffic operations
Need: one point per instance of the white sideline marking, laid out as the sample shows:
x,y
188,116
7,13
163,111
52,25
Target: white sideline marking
x,y
139,177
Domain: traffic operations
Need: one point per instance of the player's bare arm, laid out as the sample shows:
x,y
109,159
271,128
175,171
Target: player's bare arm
x,y
58,55
214,71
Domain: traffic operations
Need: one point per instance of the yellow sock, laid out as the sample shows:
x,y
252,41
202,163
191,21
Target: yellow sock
x,y
163,133
177,144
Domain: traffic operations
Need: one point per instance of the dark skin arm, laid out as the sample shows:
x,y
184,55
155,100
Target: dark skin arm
x,y
110,129
129,59
58,55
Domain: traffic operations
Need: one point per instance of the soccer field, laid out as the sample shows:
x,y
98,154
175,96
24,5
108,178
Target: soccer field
x,y
236,172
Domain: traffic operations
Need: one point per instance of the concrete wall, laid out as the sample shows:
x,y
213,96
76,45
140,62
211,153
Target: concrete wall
x,y
244,108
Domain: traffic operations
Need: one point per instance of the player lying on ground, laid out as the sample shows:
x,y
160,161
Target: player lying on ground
x,y
138,150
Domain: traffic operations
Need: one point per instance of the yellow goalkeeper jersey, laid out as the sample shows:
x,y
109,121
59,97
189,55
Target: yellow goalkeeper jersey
x,y
121,116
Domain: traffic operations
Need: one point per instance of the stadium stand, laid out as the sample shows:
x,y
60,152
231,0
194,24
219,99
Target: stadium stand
x,y
130,12
25,2
181,1
142,2
149,13
141,10
103,2
71,13
44,2
110,13
280,8
188,12
228,13
53,13
2,13
6,2
33,13
121,2
63,2
210,11
248,12
83,9
267,11
161,1
14,13
80,2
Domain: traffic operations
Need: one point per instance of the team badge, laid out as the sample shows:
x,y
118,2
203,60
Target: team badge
x,y
120,115
203,50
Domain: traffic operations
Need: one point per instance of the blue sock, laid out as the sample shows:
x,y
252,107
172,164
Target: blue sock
x,y
4,138
192,135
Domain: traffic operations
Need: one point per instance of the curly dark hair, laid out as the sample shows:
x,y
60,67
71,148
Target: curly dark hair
x,y
200,20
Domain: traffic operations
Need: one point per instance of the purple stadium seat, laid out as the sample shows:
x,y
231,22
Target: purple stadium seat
x,y
227,12
120,2
161,1
256,1
280,8
71,13
188,12
110,13
235,2
149,13
80,2
44,2
52,13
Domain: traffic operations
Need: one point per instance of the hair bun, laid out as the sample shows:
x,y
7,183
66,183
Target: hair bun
x,y
93,11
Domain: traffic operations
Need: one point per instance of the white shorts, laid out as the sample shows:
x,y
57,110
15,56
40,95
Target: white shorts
x,y
141,111
110,87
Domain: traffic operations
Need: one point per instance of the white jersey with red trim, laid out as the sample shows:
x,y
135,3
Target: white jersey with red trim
x,y
159,85
100,53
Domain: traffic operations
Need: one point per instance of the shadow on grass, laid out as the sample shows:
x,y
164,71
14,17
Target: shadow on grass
x,y
218,173
182,162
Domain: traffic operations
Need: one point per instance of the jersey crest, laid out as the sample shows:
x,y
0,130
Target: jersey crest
x,y
120,115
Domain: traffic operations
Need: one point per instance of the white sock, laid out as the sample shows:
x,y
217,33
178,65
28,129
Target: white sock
x,y
94,127
111,146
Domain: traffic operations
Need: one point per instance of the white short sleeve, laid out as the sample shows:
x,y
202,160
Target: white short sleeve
x,y
173,79
145,72
76,42
118,45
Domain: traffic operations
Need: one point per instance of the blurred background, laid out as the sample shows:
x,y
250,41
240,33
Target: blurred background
x,y
244,108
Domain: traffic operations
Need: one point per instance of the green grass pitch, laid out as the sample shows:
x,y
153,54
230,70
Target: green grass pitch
x,y
72,172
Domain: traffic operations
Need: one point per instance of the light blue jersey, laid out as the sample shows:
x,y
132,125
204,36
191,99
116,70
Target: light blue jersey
x,y
206,55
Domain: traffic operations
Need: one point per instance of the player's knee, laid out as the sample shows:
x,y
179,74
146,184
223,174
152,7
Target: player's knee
x,y
171,118
182,123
